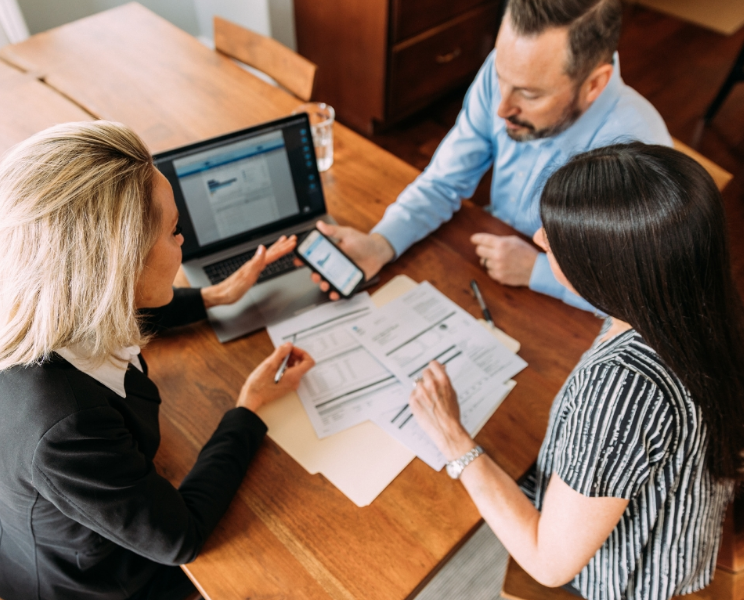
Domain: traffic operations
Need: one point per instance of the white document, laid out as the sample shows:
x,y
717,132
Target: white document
x,y
362,460
402,425
241,192
424,325
347,385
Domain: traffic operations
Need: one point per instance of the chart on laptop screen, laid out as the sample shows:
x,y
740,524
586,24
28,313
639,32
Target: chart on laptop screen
x,y
235,188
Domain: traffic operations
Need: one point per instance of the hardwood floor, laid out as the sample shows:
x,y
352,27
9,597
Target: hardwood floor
x,y
678,66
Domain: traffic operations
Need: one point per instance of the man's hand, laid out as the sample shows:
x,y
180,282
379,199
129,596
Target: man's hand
x,y
234,287
507,259
370,251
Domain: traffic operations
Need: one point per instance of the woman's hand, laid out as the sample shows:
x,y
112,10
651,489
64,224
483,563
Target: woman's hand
x,y
234,287
434,404
259,388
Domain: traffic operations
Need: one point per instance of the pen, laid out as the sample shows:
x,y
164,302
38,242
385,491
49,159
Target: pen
x,y
283,366
482,303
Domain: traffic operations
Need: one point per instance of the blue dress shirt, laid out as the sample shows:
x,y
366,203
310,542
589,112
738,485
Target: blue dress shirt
x,y
520,169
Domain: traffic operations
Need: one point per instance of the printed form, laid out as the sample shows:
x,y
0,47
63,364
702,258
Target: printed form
x,y
347,385
424,325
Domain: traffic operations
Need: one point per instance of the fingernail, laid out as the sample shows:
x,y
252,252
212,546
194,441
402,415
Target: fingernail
x,y
261,249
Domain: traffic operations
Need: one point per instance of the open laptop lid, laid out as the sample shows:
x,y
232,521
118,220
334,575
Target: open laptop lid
x,y
244,185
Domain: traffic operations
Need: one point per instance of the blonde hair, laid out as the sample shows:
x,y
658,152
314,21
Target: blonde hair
x,y
77,221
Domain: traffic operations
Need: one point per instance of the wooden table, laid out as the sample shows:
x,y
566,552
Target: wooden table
x,y
28,106
289,534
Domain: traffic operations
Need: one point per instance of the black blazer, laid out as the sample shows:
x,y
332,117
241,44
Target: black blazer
x,y
83,513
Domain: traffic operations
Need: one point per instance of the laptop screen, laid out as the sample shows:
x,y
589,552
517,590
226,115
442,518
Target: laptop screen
x,y
244,185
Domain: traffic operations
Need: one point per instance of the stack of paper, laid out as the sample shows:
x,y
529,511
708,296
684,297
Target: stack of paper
x,y
347,385
424,325
366,359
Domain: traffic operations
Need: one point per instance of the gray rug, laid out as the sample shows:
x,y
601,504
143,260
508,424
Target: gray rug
x,y
476,572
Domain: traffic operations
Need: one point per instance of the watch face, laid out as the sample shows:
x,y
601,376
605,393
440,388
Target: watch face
x,y
454,469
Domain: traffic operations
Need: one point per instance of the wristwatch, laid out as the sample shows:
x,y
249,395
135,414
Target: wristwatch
x,y
457,466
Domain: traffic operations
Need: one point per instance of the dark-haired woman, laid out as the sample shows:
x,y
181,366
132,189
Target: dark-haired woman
x,y
644,440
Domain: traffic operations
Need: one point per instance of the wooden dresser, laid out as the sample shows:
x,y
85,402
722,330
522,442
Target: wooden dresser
x,y
381,60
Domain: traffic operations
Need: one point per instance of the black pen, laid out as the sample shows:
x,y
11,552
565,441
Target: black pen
x,y
482,303
283,366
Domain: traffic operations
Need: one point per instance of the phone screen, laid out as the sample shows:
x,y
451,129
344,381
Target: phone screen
x,y
330,262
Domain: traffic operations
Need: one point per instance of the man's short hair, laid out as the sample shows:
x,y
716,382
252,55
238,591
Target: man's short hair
x,y
593,28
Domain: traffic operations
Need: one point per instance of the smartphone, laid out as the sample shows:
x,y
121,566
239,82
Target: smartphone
x,y
324,257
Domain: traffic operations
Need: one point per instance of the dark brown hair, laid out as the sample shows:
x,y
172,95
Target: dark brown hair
x,y
640,233
593,28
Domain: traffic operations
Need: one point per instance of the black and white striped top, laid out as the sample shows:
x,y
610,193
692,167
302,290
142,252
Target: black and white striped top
x,y
624,426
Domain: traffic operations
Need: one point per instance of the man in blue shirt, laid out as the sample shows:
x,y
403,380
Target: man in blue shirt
x,y
551,89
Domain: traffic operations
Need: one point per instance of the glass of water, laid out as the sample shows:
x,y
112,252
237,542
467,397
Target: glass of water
x,y
321,122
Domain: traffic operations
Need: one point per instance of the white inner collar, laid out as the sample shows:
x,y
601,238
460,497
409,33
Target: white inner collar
x,y
111,372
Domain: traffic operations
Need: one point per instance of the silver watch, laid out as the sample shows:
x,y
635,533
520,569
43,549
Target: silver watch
x,y
457,466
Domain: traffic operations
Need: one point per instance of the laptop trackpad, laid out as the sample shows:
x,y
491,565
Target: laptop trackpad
x,y
267,302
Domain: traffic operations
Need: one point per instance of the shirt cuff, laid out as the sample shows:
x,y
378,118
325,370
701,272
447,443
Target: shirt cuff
x,y
397,232
543,281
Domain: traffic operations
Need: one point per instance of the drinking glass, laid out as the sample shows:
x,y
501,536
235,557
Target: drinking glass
x,y
321,123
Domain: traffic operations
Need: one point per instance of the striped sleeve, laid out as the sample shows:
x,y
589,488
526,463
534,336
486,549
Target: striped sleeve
x,y
615,435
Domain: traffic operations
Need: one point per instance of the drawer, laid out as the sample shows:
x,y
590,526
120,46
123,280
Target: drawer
x,y
410,17
429,64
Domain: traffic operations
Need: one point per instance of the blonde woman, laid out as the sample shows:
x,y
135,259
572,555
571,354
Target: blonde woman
x,y
90,246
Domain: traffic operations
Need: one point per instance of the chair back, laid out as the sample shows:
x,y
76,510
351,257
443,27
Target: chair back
x,y
290,70
720,176
518,585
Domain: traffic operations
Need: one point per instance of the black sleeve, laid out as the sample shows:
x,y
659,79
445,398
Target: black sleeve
x,y
90,468
186,307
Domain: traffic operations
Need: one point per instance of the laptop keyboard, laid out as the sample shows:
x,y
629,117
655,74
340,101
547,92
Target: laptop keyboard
x,y
221,270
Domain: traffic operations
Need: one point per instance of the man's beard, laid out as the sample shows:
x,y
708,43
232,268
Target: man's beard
x,y
567,118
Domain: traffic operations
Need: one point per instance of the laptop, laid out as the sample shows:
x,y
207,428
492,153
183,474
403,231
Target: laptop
x,y
240,190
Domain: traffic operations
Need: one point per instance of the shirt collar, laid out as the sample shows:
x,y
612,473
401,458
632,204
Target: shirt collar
x,y
111,372
578,137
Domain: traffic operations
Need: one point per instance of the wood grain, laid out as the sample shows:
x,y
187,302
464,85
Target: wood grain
x,y
367,69
518,585
29,106
425,66
289,533
410,17
290,70
348,42
721,176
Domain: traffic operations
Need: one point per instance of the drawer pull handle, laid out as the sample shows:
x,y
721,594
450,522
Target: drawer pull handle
x,y
443,59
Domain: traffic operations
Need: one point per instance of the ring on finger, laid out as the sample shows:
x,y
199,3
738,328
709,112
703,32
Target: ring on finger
x,y
484,262
417,381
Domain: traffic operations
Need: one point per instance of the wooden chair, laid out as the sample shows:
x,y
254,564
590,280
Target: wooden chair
x,y
719,175
518,585
735,76
290,70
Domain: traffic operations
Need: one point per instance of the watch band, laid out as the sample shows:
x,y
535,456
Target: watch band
x,y
457,466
